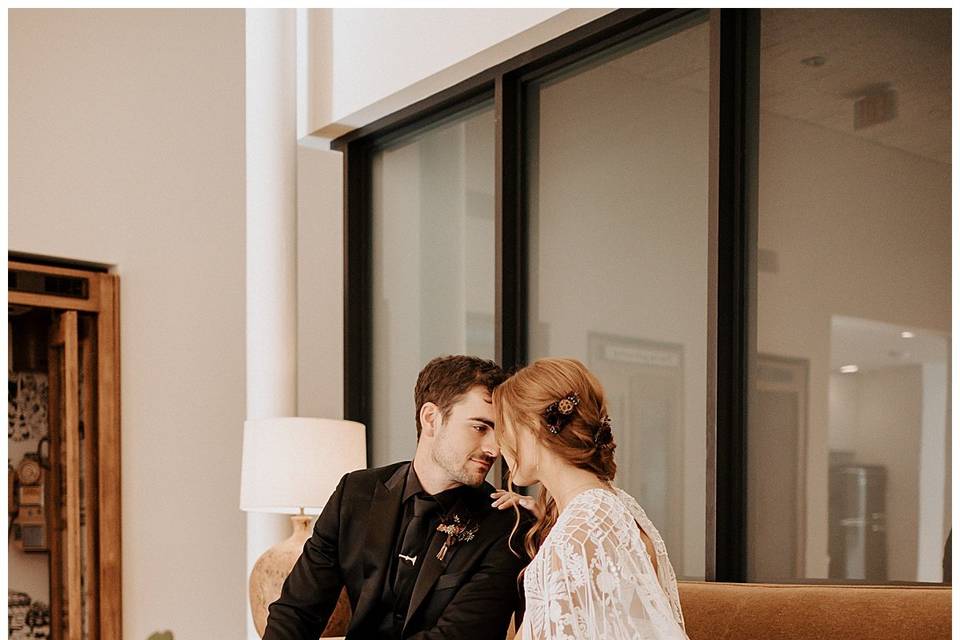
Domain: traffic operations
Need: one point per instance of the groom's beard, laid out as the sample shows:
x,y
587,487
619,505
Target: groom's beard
x,y
471,472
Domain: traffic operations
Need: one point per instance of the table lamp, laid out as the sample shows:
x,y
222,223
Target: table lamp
x,y
292,465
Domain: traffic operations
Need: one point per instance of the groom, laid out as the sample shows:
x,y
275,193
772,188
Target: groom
x,y
419,548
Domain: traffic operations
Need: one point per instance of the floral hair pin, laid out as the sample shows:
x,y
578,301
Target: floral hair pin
x,y
558,414
456,531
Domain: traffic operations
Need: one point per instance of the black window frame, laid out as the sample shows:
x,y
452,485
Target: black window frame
x,y
733,150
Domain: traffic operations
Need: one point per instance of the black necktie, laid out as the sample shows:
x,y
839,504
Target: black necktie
x,y
414,544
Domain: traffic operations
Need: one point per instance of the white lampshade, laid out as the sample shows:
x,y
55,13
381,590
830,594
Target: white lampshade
x,y
294,463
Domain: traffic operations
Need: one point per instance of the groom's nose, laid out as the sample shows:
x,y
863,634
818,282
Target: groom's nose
x,y
489,444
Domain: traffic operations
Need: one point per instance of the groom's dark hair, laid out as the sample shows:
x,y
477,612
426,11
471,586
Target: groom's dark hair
x,y
446,379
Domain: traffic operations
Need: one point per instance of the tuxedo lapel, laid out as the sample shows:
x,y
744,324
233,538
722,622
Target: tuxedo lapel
x,y
378,542
433,568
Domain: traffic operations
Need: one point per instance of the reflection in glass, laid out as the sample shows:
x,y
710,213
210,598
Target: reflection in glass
x,y
848,464
433,264
617,200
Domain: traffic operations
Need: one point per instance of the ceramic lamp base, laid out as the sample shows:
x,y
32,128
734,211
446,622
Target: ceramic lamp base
x,y
273,567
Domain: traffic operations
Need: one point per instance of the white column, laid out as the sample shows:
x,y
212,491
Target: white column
x,y
271,148
304,65
931,468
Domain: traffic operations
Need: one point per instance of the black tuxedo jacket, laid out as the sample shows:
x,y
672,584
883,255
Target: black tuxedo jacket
x,y
468,595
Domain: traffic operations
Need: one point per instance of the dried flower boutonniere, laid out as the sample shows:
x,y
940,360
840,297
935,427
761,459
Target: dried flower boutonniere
x,y
456,531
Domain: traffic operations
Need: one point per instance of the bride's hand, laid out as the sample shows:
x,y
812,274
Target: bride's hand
x,y
507,499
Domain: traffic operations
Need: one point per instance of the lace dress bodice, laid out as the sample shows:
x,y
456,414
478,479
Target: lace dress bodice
x,y
593,579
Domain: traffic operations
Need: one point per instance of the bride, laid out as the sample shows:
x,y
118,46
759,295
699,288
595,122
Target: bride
x,y
599,567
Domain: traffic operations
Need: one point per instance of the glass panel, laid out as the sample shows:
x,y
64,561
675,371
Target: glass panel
x,y
848,464
617,200
433,264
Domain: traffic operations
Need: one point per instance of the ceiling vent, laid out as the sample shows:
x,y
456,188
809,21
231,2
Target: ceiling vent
x,y
874,106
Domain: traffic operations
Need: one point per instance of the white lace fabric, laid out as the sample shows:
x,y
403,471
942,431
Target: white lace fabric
x,y
592,578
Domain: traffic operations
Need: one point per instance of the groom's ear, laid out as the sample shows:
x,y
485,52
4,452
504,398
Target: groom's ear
x,y
429,419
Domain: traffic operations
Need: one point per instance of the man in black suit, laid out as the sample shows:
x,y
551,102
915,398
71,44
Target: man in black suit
x,y
417,544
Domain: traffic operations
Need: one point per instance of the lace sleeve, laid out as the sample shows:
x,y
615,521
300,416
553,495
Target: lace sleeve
x,y
599,582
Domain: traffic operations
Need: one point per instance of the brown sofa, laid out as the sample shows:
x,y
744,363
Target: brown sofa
x,y
728,611
725,611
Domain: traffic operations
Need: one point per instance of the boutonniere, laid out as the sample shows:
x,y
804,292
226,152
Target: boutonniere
x,y
456,531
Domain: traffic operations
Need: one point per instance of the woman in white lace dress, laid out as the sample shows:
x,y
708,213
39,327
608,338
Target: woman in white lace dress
x,y
599,568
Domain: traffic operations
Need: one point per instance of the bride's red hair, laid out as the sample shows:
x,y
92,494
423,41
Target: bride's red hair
x,y
521,402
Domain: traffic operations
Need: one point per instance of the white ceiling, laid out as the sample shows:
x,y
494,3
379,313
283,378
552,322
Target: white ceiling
x,y
907,51
876,345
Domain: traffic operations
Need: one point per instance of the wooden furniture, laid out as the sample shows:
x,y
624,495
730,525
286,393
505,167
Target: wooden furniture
x,y
76,313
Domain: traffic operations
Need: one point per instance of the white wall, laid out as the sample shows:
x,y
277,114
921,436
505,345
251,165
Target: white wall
x,y
409,45
860,230
127,148
368,63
